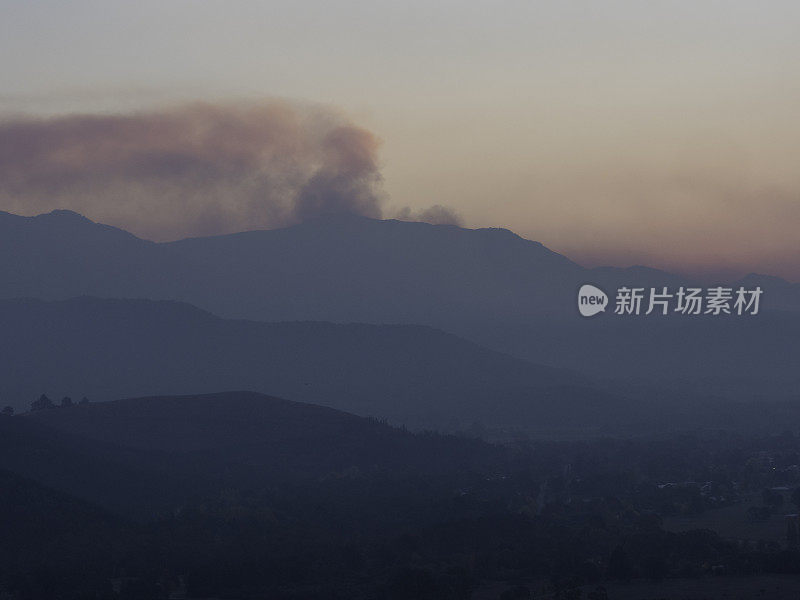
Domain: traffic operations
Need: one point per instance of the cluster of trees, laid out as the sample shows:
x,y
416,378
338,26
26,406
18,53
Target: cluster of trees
x,y
43,402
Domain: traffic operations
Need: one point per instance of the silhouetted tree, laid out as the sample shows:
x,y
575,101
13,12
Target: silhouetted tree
x,y
42,403
84,400
7,411
66,402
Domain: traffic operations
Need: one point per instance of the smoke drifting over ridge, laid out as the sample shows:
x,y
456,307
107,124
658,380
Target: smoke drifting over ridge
x,y
436,215
198,169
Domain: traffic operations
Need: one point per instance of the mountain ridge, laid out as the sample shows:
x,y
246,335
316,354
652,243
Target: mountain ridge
x,y
410,374
487,285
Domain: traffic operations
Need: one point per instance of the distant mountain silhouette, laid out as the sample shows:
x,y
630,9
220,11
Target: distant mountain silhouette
x,y
335,268
488,285
743,358
780,294
409,374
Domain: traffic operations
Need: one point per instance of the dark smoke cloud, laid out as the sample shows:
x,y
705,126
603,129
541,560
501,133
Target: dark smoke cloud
x,y
199,169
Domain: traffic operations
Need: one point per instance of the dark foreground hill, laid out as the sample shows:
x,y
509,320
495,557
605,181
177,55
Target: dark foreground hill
x,y
234,495
240,495
412,375
281,439
143,455
54,544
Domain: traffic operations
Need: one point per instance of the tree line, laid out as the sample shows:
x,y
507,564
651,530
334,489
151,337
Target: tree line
x,y
45,403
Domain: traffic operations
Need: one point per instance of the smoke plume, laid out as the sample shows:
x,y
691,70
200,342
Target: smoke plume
x,y
194,170
436,214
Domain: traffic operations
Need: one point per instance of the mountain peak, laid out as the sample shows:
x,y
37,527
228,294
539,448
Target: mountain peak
x,y
59,214
68,222
63,213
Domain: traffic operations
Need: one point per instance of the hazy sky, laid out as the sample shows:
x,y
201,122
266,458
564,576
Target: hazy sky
x,y
659,133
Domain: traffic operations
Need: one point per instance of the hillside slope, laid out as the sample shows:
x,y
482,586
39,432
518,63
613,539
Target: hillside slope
x,y
412,375
146,455
488,285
